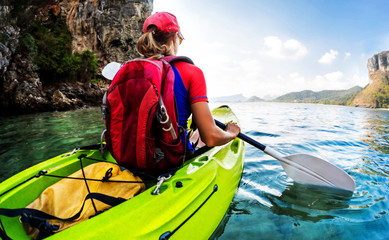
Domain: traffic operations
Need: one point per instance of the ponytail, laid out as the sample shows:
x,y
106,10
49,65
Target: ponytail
x,y
154,44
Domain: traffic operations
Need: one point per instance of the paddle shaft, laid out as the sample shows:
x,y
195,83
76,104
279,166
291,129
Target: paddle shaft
x,y
260,146
243,137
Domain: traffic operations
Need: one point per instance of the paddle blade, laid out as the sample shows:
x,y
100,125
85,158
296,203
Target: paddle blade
x,y
307,169
110,70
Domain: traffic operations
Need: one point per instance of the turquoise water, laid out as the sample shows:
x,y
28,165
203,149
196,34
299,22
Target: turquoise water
x,y
268,204
30,139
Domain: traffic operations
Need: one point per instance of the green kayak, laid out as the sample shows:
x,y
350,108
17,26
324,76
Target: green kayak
x,y
191,203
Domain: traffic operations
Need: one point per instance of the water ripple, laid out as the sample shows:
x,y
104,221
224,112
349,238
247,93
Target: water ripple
x,y
275,207
268,204
261,134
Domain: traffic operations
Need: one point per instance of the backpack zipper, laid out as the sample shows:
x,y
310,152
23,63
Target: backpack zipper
x,y
114,86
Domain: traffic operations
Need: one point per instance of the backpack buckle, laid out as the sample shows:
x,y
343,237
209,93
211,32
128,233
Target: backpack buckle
x,y
73,152
164,119
161,179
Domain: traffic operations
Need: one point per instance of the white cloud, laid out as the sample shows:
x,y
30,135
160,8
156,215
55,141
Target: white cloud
x,y
297,78
360,79
250,68
290,49
328,57
347,55
329,81
244,52
334,76
330,77
216,44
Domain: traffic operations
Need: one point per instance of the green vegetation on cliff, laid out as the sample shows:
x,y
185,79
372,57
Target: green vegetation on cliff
x,y
54,57
376,93
336,97
382,94
48,46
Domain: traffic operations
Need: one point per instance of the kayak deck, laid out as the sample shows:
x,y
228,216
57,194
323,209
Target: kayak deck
x,y
190,205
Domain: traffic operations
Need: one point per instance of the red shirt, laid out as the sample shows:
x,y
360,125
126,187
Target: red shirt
x,y
194,81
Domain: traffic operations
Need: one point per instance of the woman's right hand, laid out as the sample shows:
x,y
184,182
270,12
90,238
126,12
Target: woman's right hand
x,y
211,134
233,129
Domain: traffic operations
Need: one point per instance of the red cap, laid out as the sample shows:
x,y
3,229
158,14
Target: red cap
x,y
164,21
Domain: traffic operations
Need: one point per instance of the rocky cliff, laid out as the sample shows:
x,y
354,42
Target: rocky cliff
x,y
379,63
108,28
376,93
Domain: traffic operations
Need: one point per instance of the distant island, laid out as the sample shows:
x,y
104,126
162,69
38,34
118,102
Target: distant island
x,y
334,97
237,98
373,95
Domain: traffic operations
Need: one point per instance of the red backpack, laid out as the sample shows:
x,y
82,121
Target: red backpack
x,y
141,119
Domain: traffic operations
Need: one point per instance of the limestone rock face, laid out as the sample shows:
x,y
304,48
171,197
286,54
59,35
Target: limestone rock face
x,y
379,62
109,28
378,67
20,87
9,40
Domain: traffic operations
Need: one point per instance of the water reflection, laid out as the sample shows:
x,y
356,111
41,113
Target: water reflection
x,y
298,203
309,203
233,210
377,131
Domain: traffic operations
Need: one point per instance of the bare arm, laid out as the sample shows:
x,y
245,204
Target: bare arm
x,y
211,134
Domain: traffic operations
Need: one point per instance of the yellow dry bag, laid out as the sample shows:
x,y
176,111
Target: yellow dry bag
x,y
66,198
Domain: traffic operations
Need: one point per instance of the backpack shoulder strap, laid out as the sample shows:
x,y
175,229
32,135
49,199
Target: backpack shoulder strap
x,y
173,59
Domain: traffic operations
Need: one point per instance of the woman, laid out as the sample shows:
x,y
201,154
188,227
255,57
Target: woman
x,y
162,37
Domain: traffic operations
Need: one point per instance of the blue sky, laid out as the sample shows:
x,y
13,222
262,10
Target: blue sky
x,y
268,48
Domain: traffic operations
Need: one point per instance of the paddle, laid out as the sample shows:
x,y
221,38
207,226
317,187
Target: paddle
x,y
110,70
304,168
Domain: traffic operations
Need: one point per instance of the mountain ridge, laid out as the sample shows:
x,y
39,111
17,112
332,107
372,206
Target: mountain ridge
x,y
237,98
336,97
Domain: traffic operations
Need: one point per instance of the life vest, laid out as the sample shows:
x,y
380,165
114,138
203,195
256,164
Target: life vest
x,y
141,119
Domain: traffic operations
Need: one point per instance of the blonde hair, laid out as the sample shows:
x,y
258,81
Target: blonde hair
x,y
154,44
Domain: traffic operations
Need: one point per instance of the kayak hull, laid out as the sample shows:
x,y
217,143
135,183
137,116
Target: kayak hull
x,y
191,209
